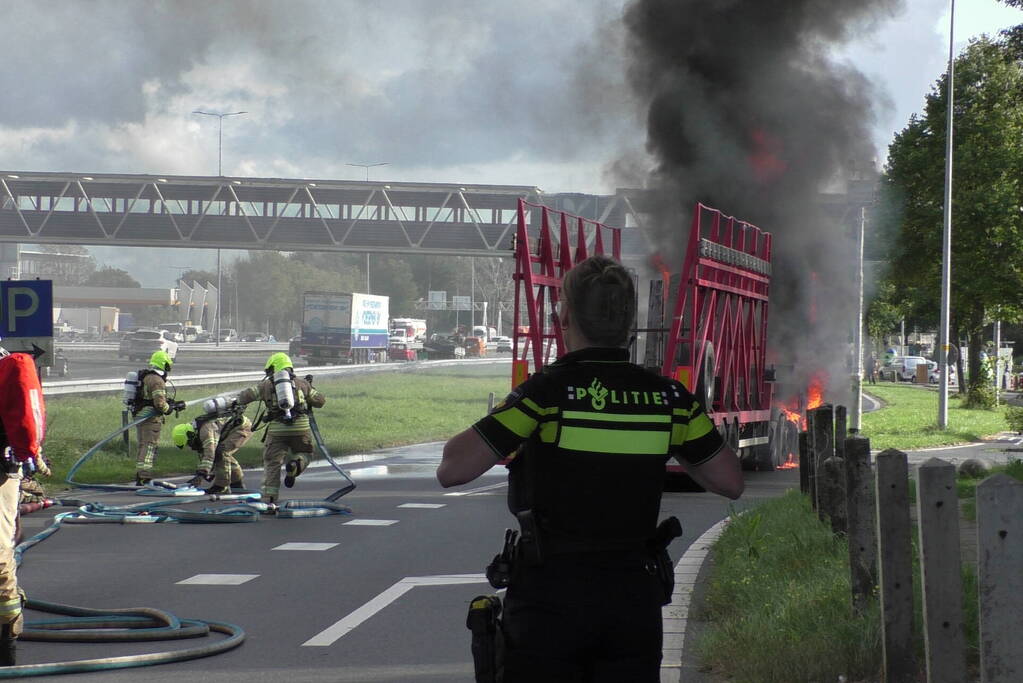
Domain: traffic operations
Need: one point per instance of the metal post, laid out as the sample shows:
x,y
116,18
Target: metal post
x,y
219,286
367,274
998,359
946,239
857,411
472,292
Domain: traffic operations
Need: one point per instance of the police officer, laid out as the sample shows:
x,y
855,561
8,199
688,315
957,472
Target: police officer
x,y
22,428
216,437
590,436
288,437
151,402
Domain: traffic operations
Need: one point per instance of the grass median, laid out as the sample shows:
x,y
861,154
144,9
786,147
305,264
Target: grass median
x,y
909,419
363,413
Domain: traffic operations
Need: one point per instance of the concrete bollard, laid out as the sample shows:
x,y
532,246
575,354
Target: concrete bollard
x,y
860,521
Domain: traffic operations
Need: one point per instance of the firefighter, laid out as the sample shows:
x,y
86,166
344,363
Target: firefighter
x,y
22,428
288,436
151,402
216,436
590,436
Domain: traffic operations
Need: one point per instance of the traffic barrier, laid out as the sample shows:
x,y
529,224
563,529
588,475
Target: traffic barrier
x,y
90,386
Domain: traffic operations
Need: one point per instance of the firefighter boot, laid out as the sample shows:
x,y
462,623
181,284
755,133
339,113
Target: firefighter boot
x,y
293,469
217,488
143,478
238,485
7,645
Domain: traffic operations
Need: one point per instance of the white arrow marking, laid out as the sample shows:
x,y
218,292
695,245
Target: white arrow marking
x,y
332,633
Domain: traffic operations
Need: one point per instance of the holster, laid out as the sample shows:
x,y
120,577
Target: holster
x,y
666,532
484,621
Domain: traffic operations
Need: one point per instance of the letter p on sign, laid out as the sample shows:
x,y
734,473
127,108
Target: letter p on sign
x,y
26,308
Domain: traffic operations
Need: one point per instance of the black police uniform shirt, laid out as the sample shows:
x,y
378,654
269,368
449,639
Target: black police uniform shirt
x,y
589,437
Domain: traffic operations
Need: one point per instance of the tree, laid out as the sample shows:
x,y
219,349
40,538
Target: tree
x,y
987,235
108,276
200,276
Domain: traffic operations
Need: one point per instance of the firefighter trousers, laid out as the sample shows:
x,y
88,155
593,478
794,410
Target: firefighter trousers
x,y
10,598
226,469
149,441
278,449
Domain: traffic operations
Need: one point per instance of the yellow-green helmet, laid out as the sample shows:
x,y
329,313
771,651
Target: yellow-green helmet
x,y
277,362
161,360
181,434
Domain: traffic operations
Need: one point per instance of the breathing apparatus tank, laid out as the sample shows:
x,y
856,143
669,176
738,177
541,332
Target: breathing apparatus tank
x,y
284,388
218,405
131,387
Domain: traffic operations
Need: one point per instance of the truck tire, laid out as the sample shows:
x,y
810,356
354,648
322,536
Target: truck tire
x,y
705,384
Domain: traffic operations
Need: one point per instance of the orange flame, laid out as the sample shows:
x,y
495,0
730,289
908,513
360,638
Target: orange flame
x,y
658,263
815,392
790,464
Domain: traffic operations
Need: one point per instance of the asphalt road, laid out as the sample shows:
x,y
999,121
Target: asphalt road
x,y
392,559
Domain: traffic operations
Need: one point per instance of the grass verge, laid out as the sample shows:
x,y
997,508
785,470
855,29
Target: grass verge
x,y
363,413
778,601
908,419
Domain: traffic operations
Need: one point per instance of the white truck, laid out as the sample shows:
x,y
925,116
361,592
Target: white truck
x,y
340,327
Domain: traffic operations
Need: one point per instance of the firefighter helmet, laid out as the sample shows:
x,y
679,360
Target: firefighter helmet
x,y
277,362
181,434
161,360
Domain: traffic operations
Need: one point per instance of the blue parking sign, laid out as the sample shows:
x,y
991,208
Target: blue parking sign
x,y
26,308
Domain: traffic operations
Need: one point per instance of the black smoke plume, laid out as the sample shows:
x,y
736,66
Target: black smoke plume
x,y
750,112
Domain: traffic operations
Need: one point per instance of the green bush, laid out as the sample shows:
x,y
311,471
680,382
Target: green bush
x,y
1014,416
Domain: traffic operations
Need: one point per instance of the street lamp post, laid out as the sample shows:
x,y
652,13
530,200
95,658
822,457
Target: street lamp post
x,y
220,172
367,167
946,238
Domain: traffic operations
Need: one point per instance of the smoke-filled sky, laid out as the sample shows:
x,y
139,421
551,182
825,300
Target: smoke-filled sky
x,y
527,93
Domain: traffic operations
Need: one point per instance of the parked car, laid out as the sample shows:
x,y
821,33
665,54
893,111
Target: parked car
x,y
204,337
254,337
228,335
903,368
146,341
504,344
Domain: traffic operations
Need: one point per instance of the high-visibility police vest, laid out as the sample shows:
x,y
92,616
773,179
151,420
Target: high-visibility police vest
x,y
591,435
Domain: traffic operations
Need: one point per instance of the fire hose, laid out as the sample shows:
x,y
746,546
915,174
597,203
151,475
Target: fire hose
x,y
145,624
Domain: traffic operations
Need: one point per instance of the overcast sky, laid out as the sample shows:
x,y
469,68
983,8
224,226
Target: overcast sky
x,y
526,93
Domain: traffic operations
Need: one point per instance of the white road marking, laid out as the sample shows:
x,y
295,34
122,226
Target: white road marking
x,y
218,579
305,546
675,616
371,522
482,489
331,634
423,506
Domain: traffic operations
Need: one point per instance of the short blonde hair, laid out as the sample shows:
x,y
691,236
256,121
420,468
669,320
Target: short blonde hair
x,y
602,298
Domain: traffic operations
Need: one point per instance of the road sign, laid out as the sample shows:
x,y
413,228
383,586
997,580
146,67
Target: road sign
x,y
461,303
26,317
437,300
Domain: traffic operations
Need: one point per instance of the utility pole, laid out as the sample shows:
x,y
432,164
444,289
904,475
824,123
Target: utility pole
x,y
946,238
857,412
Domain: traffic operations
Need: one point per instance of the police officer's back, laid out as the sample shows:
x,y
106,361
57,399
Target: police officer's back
x,y
590,436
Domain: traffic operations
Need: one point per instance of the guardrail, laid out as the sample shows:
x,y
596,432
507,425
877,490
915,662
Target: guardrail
x,y
94,386
183,347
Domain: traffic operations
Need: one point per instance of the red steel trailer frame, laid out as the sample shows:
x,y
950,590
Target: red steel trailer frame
x,y
716,345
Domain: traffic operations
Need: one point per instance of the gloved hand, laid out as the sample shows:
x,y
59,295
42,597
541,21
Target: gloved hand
x,y
42,467
308,378
178,406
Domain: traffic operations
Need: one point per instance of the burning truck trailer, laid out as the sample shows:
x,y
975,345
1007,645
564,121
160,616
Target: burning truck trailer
x,y
706,324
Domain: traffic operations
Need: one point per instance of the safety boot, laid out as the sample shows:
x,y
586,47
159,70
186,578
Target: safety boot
x,y
293,469
142,479
7,646
238,485
217,488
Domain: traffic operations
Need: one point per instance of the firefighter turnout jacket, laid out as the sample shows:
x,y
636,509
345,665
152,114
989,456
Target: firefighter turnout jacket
x,y
305,397
153,399
22,428
590,436
212,432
